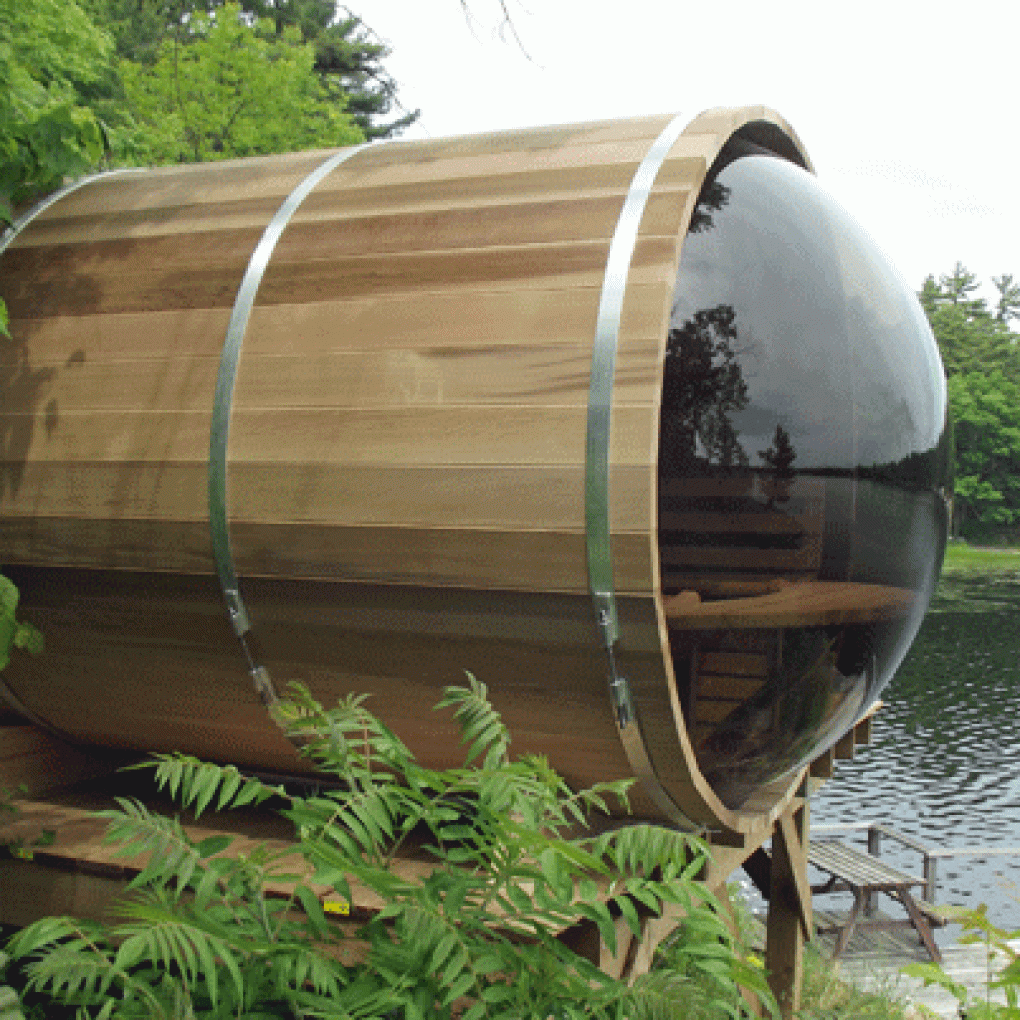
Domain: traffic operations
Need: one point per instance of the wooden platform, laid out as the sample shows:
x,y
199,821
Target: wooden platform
x,y
876,943
71,871
879,968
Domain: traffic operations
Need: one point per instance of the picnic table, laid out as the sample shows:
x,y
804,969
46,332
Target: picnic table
x,y
864,875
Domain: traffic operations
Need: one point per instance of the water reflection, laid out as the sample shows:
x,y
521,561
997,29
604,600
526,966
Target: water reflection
x,y
802,468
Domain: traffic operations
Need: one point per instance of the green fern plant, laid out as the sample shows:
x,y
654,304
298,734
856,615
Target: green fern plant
x,y
1002,968
14,633
475,938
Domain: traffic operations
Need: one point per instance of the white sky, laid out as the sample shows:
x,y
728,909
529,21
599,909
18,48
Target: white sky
x,y
907,109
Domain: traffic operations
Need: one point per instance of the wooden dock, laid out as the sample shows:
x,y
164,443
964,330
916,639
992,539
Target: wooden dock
x,y
878,966
874,958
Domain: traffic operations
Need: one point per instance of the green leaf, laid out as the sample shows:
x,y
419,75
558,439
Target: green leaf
x,y
252,790
497,993
28,638
311,906
599,913
9,596
487,964
629,914
231,783
442,951
458,988
213,845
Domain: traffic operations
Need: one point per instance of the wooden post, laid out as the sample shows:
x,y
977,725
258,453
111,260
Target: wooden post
x,y
789,920
875,849
930,877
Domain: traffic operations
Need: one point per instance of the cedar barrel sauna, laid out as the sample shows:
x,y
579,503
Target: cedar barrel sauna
x,y
629,419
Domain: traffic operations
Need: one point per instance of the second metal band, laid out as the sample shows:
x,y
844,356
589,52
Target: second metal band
x,y
219,434
596,487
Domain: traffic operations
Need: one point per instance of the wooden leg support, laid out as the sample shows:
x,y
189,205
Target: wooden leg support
x,y
845,933
920,923
790,919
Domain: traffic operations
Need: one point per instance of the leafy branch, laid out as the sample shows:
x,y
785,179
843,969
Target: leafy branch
x,y
205,934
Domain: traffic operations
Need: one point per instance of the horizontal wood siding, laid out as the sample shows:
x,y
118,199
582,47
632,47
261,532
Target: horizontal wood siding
x,y
407,448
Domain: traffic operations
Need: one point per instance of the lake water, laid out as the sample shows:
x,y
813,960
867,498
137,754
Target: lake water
x,y
944,765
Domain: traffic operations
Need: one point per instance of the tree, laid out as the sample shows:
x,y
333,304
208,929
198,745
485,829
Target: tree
x,y
234,88
970,337
986,413
702,387
54,66
982,360
348,58
778,460
1008,306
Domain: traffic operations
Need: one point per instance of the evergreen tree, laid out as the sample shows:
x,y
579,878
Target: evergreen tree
x,y
982,360
1008,305
347,57
234,89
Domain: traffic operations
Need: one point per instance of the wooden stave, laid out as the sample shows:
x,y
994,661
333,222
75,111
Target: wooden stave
x,y
635,548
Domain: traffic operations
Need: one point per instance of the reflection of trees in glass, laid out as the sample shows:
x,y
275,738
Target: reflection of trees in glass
x,y
712,199
703,385
779,458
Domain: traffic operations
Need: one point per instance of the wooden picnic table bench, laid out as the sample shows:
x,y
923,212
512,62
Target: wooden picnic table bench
x,y
864,874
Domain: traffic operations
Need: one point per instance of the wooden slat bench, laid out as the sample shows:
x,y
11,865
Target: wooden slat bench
x,y
863,874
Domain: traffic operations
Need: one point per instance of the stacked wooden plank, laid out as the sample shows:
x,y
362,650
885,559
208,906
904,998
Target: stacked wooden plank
x,y
407,445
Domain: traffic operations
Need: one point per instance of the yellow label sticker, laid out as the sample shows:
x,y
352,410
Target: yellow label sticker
x,y
337,907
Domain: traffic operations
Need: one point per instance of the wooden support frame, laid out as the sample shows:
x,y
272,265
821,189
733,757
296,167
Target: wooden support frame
x,y
790,920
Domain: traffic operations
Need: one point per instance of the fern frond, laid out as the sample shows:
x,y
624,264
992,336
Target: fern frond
x,y
78,969
137,830
196,783
640,849
47,931
479,722
300,966
662,995
162,937
70,969
347,740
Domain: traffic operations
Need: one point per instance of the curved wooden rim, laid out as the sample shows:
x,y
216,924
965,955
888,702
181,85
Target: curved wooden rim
x,y
707,134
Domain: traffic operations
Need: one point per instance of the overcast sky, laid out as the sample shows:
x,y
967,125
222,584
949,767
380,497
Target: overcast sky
x,y
908,110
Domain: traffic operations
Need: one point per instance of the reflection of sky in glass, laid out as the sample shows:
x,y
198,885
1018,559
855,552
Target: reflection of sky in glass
x,y
832,344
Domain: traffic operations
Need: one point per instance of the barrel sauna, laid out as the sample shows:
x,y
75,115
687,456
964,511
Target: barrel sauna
x,y
629,419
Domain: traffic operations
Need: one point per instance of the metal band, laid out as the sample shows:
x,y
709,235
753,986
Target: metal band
x,y
6,239
220,430
596,464
11,232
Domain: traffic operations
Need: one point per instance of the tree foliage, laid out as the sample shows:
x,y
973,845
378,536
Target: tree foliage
x,y
234,88
347,57
474,936
982,360
55,75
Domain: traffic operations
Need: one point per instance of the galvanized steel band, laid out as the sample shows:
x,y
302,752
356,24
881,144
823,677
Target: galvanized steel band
x,y
596,485
219,433
43,204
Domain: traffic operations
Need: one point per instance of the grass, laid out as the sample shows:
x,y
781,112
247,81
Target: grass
x,y
825,997
964,558
978,580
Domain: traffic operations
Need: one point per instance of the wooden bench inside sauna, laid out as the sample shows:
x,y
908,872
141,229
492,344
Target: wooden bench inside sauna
x,y
629,419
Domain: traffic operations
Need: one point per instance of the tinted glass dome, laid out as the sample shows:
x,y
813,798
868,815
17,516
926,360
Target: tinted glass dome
x,y
802,473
